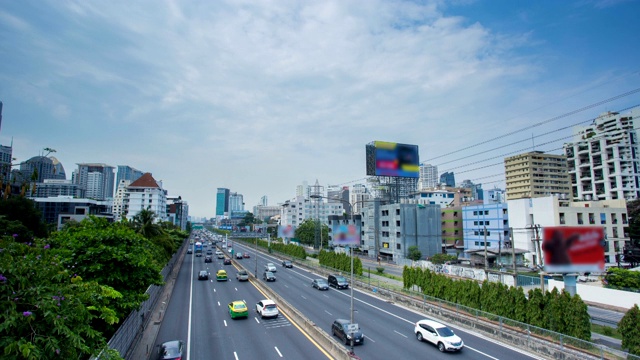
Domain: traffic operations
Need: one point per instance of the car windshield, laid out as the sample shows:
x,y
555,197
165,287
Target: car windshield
x,y
242,272
341,279
171,351
239,306
270,307
321,282
445,332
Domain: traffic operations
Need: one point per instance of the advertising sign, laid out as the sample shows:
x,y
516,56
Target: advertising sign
x,y
392,159
346,235
573,249
287,231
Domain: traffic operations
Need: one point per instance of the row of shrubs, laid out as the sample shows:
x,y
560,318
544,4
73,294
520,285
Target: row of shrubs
x,y
555,311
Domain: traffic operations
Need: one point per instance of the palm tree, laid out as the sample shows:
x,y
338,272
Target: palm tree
x,y
144,223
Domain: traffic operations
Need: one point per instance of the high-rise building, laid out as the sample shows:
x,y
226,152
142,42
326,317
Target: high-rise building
x,y
604,163
126,172
336,193
476,190
222,202
304,189
119,198
358,196
0,115
448,179
6,154
97,179
264,201
42,166
58,187
428,177
536,174
236,202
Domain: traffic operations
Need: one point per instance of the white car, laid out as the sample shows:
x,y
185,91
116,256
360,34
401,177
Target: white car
x,y
439,335
270,267
267,308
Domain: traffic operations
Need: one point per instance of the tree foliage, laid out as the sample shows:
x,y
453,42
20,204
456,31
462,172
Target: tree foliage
x,y
23,210
414,253
111,254
556,311
440,259
629,327
341,261
145,224
47,310
306,232
622,279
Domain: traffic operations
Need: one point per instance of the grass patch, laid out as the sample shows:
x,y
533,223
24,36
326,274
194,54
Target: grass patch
x,y
606,330
388,276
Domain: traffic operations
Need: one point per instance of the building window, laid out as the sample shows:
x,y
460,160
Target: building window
x,y
603,218
580,221
475,213
486,212
398,234
562,222
475,223
398,247
397,222
385,234
397,211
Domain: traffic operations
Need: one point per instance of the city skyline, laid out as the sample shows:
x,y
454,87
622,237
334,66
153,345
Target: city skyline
x,y
259,98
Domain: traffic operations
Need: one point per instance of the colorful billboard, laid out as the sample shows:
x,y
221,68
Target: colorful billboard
x,y
346,235
286,231
392,159
573,249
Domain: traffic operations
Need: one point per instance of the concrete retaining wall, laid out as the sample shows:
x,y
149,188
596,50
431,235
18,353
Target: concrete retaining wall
x,y
600,295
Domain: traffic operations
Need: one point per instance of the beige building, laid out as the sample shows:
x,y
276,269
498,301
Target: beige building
x,y
536,174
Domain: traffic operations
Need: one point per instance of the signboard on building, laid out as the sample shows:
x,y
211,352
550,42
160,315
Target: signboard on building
x,y
573,249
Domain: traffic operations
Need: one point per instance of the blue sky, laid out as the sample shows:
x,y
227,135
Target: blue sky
x,y
259,96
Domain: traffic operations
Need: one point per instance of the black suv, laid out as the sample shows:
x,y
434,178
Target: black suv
x,y
338,282
208,259
340,328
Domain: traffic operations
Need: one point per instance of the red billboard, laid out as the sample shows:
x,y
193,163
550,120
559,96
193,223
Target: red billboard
x,y
573,249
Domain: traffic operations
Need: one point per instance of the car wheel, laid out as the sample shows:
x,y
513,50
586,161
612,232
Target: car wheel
x,y
441,347
333,331
419,336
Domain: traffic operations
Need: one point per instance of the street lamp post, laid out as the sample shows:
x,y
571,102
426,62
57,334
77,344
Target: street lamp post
x,y
350,254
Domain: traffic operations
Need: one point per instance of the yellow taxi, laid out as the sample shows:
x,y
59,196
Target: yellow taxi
x,y
238,309
221,275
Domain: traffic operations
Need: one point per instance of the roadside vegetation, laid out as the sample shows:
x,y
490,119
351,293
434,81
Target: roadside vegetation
x,y
64,293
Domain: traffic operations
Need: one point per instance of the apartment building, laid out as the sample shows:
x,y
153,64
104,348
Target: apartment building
x,y
603,161
536,174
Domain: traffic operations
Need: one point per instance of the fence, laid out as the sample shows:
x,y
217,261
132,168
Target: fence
x,y
127,335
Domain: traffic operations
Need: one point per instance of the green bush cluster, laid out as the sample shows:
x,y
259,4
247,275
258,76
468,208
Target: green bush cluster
x,y
623,279
340,261
555,311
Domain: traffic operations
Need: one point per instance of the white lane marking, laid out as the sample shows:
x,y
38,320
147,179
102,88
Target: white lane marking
x,y
278,351
328,312
218,303
303,297
399,333
370,339
225,323
235,355
256,319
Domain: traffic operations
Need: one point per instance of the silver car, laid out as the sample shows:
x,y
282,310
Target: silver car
x,y
320,284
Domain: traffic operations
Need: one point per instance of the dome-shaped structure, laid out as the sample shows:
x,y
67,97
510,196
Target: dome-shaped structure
x,y
58,169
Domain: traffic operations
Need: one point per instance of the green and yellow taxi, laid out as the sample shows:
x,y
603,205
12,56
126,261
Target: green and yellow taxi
x,y
221,275
238,309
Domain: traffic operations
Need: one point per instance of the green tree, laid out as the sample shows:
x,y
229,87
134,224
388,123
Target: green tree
x,y
145,224
48,311
439,259
306,232
414,253
111,254
24,210
629,327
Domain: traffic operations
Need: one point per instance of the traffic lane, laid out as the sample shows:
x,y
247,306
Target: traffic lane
x,y
297,282
254,337
175,320
604,316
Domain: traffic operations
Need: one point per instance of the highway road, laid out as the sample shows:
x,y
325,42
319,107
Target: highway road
x,y
388,328
197,313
